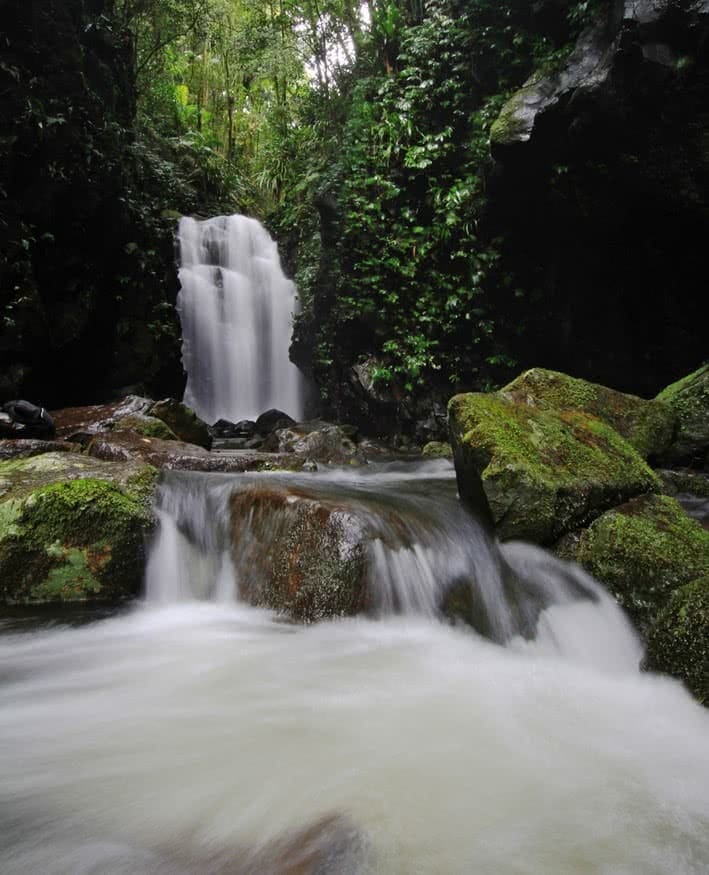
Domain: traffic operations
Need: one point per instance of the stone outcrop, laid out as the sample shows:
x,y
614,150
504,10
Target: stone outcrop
x,y
642,551
648,426
688,398
679,641
544,472
305,554
73,528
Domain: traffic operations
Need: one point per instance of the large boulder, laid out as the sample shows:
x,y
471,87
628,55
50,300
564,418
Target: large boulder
x,y
689,400
72,528
543,472
643,551
678,643
183,421
648,426
305,554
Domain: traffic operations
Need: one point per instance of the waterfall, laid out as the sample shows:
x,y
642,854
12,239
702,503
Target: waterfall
x,y
236,307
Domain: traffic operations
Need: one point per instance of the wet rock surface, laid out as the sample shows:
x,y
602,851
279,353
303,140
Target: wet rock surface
x,y
305,555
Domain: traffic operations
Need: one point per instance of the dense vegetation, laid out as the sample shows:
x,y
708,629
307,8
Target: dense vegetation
x,y
361,133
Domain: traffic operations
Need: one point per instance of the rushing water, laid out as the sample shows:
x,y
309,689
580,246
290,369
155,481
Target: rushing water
x,y
236,307
198,735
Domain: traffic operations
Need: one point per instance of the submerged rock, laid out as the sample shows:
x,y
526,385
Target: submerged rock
x,y
642,551
543,472
647,426
183,421
305,554
689,400
72,528
678,643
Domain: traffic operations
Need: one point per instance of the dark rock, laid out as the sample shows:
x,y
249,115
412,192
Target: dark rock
x,y
271,420
29,420
222,428
183,421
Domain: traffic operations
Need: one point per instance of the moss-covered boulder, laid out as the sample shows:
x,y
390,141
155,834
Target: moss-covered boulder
x,y
437,450
183,421
146,426
72,528
678,643
305,554
542,471
648,426
689,400
643,551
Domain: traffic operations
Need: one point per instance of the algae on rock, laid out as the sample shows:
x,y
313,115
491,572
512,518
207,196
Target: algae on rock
x,y
544,472
678,643
642,551
689,400
72,528
648,426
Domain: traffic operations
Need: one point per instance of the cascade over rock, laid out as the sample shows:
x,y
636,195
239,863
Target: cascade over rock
x,y
236,307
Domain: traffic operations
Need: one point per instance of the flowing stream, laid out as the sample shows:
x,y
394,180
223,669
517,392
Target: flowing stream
x,y
196,734
236,307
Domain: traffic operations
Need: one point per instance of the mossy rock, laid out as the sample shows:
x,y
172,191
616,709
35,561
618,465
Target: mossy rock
x,y
72,528
688,398
643,551
183,422
543,472
678,643
146,426
648,426
306,555
437,450
684,482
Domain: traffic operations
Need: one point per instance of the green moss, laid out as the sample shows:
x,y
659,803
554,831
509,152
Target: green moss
x,y
182,421
679,640
643,551
544,472
73,538
689,400
437,450
147,426
648,426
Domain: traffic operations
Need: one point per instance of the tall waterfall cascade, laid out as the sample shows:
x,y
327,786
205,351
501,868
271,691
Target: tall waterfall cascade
x,y
236,307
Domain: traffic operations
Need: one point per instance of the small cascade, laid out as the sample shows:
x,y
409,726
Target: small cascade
x,y
402,530
236,307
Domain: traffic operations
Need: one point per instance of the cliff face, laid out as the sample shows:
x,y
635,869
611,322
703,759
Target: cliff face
x,y
599,190
87,278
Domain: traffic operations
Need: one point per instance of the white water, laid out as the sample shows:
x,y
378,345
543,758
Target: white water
x,y
196,736
236,307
